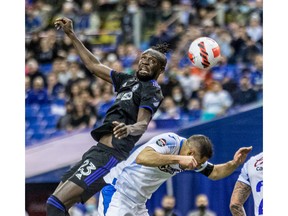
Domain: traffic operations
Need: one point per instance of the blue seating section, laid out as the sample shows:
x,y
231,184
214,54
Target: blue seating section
x,y
40,124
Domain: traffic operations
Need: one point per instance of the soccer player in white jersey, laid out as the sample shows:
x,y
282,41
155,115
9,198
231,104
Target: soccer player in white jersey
x,y
249,180
134,180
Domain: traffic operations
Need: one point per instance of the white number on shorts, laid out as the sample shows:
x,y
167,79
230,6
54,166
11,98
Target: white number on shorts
x,y
85,169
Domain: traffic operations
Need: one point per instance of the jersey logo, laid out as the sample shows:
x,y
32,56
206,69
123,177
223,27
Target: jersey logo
x,y
169,169
156,102
124,84
127,96
161,142
135,87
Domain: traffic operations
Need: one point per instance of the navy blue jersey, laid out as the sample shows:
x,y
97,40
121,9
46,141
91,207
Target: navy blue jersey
x,y
132,94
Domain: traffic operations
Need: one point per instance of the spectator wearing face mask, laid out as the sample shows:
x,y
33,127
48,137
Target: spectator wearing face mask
x,y
168,205
201,204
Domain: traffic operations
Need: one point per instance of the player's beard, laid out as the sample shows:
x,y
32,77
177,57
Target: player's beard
x,y
145,77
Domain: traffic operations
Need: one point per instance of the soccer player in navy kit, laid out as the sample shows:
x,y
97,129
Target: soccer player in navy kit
x,y
138,98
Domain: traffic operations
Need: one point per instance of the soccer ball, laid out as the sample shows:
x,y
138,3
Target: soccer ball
x,y
204,52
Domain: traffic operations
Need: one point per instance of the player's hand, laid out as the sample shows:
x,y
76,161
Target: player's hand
x,y
120,129
241,155
65,24
188,162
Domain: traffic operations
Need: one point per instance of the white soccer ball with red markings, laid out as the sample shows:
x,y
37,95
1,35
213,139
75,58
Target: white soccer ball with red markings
x,y
204,52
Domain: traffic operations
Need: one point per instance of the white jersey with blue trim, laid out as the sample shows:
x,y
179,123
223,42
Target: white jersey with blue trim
x,y
138,182
252,175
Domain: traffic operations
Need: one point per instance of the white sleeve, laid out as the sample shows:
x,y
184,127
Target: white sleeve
x,y
244,177
167,144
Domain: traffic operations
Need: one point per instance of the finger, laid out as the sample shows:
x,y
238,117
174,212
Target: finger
x,y
120,132
119,126
115,123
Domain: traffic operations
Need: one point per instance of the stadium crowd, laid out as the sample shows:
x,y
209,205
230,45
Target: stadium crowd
x,y
61,95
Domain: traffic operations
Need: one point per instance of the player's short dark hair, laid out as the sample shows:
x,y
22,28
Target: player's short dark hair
x,y
203,144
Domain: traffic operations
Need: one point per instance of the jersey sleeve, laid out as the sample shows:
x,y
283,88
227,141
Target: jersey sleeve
x,y
151,98
166,144
244,177
118,78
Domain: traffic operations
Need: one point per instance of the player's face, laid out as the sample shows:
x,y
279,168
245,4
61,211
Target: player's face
x,y
199,160
149,67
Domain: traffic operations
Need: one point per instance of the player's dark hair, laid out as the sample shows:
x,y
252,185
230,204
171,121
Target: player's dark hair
x,y
162,48
203,144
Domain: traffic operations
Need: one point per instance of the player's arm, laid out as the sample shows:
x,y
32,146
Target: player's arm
x,y
90,61
149,157
239,196
223,170
122,130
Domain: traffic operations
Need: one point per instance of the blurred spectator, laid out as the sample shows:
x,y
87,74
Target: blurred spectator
x,y
68,9
80,116
166,11
250,51
201,204
107,99
254,29
38,94
32,45
188,81
256,76
244,94
178,97
168,205
186,12
32,20
64,120
168,110
88,21
215,102
75,75
74,91
158,212
194,110
32,70
45,54
54,88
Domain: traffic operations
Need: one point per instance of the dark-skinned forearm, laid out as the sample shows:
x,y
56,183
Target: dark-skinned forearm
x,y
86,56
138,128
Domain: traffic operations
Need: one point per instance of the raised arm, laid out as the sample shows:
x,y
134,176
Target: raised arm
x,y
239,196
223,170
149,157
90,61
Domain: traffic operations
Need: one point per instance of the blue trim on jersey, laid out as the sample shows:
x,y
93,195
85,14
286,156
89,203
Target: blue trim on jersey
x,y
155,83
52,201
107,193
181,143
147,107
112,79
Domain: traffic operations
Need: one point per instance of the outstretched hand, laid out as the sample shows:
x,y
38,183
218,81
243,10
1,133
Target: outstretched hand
x,y
120,129
241,155
65,24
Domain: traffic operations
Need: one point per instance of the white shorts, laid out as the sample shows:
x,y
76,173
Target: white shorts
x,y
112,203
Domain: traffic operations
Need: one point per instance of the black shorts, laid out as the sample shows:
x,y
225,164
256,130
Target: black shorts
x,y
89,172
